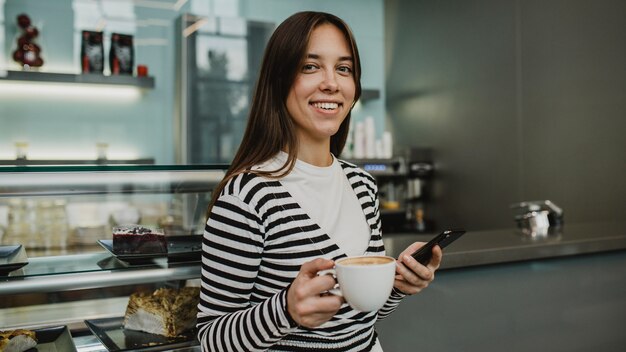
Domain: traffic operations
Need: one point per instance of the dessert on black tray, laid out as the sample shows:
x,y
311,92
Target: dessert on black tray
x,y
166,311
137,239
17,340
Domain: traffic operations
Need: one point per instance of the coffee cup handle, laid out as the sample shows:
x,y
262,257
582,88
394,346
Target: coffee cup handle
x,y
335,290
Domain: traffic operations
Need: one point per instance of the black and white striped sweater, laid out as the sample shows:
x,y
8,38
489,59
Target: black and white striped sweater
x,y
255,241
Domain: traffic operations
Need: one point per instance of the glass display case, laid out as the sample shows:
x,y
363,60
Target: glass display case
x,y
57,267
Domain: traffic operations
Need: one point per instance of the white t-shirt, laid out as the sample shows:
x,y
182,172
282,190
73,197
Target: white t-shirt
x,y
329,199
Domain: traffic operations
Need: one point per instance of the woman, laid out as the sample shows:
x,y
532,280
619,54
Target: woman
x,y
288,207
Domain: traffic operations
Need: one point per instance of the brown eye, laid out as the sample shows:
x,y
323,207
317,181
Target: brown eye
x,y
346,70
309,68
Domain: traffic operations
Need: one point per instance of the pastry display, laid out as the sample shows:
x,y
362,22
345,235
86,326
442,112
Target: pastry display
x,y
166,311
135,239
17,340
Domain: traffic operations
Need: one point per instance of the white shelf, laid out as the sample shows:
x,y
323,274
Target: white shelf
x,y
51,77
97,279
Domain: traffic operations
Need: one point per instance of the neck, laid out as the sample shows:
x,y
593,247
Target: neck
x,y
321,159
317,154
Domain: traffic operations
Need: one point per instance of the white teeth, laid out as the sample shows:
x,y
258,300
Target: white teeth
x,y
326,106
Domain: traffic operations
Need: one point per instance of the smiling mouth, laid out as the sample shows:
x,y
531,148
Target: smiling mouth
x,y
326,106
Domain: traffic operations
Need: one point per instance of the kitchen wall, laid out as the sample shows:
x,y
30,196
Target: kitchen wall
x,y
521,100
68,125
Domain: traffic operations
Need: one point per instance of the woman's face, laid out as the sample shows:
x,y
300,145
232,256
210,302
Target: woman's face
x,y
323,92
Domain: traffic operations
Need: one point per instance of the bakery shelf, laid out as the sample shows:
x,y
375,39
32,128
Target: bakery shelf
x,y
107,179
69,78
80,281
60,212
85,273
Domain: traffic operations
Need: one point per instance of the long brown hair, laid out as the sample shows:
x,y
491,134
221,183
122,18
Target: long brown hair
x,y
270,127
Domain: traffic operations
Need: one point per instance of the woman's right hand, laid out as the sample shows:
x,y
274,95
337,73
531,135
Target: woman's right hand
x,y
306,302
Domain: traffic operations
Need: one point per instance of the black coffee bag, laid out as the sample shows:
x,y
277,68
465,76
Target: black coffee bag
x,y
122,54
92,52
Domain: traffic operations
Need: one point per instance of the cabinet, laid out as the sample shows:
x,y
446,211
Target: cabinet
x,y
217,64
58,214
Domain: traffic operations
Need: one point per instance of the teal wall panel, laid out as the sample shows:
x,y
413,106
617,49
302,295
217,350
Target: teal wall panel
x,y
70,126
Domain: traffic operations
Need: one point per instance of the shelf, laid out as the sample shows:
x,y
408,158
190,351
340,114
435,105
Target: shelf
x,y
398,211
377,167
52,162
121,179
370,94
51,77
61,278
81,281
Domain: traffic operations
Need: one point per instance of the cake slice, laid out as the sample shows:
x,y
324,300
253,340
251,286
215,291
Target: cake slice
x,y
17,340
166,311
135,239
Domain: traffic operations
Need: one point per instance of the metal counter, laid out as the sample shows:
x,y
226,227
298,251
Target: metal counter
x,y
510,245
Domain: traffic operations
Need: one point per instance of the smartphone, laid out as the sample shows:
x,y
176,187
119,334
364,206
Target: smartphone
x,y
425,252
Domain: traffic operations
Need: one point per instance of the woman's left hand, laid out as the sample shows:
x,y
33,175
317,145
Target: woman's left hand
x,y
411,276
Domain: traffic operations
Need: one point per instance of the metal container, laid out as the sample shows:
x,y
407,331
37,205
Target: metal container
x,y
538,218
534,223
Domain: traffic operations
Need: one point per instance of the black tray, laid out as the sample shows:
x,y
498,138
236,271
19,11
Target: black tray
x,y
179,249
12,258
111,332
53,339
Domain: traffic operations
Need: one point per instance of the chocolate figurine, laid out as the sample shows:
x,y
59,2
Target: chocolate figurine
x,y
28,53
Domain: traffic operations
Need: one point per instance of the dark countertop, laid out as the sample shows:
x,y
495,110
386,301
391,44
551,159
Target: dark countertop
x,y
510,245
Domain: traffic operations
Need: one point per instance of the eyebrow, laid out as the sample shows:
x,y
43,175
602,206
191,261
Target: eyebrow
x,y
341,58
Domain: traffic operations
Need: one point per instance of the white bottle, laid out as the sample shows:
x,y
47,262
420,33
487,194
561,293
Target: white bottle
x,y
359,140
380,152
370,138
387,145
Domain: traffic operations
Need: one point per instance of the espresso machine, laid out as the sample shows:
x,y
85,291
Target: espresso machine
x,y
420,170
404,189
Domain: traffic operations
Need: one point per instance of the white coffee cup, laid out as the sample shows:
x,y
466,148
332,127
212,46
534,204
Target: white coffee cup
x,y
364,281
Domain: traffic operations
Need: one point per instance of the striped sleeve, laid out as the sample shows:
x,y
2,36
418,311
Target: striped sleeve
x,y
392,303
396,296
232,252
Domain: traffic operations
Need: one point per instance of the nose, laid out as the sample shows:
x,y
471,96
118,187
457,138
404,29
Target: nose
x,y
329,82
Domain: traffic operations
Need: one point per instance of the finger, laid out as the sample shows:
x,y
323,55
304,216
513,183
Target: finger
x,y
323,304
311,268
408,288
435,261
305,288
405,273
316,310
424,273
321,283
309,283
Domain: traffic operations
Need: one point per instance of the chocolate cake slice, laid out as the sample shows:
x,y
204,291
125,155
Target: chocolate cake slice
x,y
137,239
166,311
